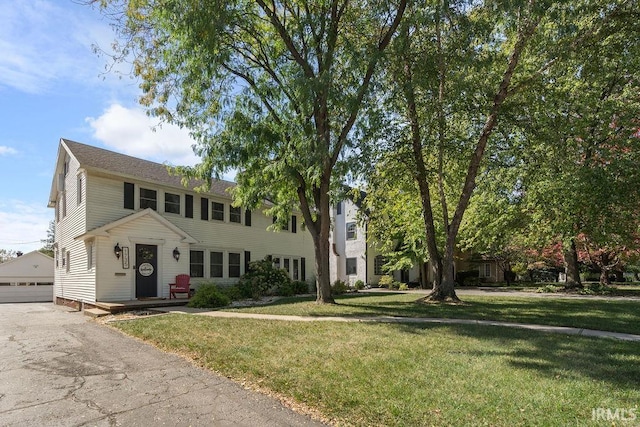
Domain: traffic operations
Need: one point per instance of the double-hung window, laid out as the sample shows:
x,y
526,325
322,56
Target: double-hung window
x,y
216,264
217,211
196,263
172,203
148,199
235,214
351,231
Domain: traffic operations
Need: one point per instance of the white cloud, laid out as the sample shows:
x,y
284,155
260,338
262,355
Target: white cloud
x,y
23,226
44,42
130,131
5,151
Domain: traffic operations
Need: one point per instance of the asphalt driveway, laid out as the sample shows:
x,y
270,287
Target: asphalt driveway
x,y
58,368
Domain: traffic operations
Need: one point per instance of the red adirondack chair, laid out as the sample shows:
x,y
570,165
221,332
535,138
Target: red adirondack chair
x,y
181,286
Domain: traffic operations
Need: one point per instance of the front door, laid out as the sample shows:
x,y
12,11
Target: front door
x,y
146,271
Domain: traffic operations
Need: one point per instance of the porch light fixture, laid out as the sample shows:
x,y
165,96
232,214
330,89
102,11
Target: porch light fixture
x,y
117,250
176,254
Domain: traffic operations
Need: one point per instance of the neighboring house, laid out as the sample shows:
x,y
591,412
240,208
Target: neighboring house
x,y
125,228
352,258
28,278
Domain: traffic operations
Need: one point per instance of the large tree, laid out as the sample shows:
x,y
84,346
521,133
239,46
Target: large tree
x,y
271,88
452,70
582,184
458,68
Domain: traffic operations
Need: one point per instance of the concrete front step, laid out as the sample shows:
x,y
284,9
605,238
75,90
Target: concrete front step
x,y
95,312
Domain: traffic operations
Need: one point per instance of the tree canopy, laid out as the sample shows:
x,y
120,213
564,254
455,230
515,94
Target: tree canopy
x,y
270,88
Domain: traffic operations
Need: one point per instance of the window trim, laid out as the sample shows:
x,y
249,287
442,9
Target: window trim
x,y
378,262
215,211
237,212
229,265
191,263
211,252
353,232
354,260
147,199
174,204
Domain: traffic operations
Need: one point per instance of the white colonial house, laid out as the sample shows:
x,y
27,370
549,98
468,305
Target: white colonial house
x,y
27,278
125,228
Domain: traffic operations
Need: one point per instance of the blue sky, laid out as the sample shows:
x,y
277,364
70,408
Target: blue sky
x,y
52,86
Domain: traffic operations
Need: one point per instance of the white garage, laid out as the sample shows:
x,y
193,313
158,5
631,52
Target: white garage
x,y
28,278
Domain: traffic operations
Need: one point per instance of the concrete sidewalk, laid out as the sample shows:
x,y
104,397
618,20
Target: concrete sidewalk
x,y
412,320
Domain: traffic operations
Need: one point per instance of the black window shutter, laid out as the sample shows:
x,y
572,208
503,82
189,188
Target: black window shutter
x,y
128,195
247,217
204,209
247,260
339,208
188,206
294,224
303,269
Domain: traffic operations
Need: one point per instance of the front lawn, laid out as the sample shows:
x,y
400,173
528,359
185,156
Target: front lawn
x,y
366,374
607,315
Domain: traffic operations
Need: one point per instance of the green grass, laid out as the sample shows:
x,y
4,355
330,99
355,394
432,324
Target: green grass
x,y
607,315
411,375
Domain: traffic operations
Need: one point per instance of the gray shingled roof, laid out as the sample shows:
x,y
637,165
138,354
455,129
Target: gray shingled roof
x,y
120,164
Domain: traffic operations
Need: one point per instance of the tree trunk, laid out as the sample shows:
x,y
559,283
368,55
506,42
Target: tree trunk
x,y
319,228
604,277
321,246
323,280
570,256
445,289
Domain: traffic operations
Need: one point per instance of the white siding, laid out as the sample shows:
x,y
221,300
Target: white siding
x,y
114,282
78,282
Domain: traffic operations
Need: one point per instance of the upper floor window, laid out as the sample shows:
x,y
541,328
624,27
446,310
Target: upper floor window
x,y
351,231
339,208
217,211
148,199
172,203
79,189
235,214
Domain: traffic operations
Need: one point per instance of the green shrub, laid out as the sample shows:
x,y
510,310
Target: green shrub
x,y
233,292
261,278
596,289
286,290
209,296
549,289
386,281
300,287
468,278
359,285
403,287
339,287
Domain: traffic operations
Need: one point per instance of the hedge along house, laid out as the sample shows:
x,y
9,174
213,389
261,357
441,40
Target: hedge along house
x,y
125,228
